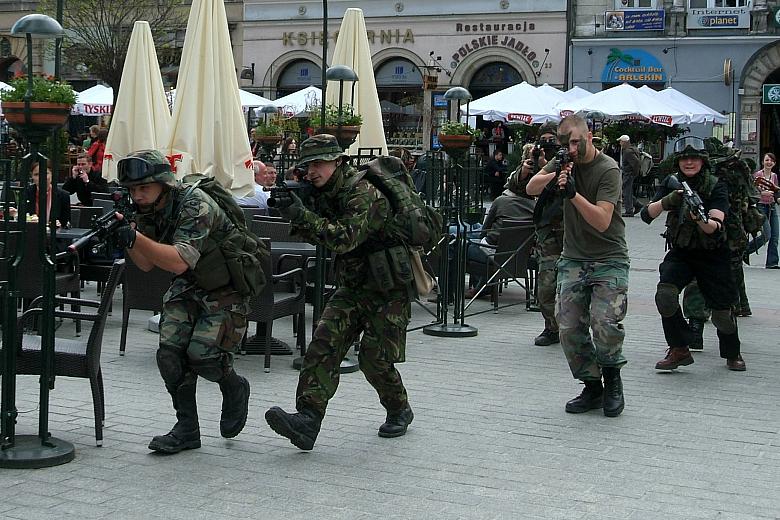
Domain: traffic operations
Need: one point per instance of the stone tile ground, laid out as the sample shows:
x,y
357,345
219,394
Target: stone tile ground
x,y
490,439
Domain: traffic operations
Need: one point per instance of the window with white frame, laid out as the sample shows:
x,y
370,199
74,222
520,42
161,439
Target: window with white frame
x,y
709,4
635,4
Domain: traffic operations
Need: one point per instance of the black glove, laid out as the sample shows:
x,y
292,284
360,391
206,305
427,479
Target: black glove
x,y
672,200
125,236
644,213
292,207
569,189
281,198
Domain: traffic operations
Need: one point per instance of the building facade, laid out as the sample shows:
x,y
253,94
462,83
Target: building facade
x,y
720,52
484,46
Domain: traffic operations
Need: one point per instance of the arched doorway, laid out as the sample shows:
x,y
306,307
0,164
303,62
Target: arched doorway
x,y
493,77
297,75
399,85
759,122
9,67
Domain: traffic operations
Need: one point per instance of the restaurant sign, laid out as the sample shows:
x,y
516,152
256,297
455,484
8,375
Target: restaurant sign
x,y
495,40
632,66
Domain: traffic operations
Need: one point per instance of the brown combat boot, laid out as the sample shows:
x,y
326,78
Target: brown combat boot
x,y
675,357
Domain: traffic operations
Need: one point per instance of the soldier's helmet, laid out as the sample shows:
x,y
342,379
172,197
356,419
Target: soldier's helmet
x,y
691,147
320,147
144,167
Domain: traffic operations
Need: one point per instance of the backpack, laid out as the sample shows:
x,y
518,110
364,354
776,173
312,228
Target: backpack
x,y
645,163
416,223
243,252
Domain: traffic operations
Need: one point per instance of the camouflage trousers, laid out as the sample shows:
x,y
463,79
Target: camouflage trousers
x,y
382,319
549,243
694,305
592,296
204,328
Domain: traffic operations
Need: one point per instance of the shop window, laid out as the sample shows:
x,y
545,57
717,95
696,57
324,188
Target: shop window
x,y
709,4
635,4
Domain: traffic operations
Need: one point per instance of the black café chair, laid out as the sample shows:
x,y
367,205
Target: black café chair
x,y
74,358
270,305
508,261
141,290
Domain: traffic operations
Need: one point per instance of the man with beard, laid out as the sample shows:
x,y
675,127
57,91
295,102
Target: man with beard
x,y
592,281
698,250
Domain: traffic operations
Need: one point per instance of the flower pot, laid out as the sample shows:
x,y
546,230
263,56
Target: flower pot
x,y
269,140
455,142
345,135
42,114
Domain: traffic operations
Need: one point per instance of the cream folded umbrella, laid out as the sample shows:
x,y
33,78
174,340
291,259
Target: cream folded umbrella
x,y
141,119
353,51
208,131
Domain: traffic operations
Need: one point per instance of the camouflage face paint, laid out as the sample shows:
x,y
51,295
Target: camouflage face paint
x,y
582,149
564,139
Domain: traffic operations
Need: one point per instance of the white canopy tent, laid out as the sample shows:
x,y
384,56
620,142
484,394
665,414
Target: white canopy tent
x,y
698,112
298,103
624,101
575,93
95,101
519,103
248,100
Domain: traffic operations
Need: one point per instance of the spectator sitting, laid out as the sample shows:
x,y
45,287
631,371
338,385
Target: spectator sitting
x,y
259,197
290,146
84,181
93,132
62,216
97,149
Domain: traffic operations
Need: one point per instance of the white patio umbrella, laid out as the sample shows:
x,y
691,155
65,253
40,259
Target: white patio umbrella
x,y
699,112
249,100
95,101
299,103
576,93
141,119
624,101
519,103
353,51
208,131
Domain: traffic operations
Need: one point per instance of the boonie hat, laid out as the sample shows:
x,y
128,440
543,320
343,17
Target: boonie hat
x,y
144,167
320,147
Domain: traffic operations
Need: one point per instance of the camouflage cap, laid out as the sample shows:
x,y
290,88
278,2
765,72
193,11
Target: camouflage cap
x,y
320,147
548,128
144,167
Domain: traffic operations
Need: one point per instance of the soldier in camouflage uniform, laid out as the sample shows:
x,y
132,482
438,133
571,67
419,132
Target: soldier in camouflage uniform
x,y
548,220
698,250
199,328
350,220
592,283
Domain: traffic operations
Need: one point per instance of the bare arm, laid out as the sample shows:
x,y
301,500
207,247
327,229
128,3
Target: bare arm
x,y
598,215
147,253
538,182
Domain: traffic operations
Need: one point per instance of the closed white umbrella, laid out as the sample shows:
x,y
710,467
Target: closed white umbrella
x,y
208,131
95,101
353,51
141,119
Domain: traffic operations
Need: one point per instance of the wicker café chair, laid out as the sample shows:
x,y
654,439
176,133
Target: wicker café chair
x,y
74,358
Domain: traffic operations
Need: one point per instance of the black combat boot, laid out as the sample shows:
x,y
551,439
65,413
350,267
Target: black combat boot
x,y
613,392
396,423
185,434
589,399
235,404
697,334
301,428
547,337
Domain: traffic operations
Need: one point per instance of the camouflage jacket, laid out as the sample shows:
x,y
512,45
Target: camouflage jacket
x,y
741,194
351,223
193,228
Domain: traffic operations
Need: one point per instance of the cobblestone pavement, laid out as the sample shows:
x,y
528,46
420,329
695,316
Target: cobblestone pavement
x,y
490,438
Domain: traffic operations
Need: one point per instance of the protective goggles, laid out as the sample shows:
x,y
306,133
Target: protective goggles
x,y
133,169
695,143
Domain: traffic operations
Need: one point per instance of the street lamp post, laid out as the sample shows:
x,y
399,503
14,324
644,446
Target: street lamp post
x,y
43,450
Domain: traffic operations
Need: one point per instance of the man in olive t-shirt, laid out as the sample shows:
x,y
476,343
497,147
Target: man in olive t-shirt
x,y
592,282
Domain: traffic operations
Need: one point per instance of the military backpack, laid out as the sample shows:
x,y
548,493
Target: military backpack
x,y
415,223
237,258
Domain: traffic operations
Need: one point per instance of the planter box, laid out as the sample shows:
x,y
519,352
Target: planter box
x,y
52,115
455,142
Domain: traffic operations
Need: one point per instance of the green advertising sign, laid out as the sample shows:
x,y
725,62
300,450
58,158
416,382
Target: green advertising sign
x,y
771,94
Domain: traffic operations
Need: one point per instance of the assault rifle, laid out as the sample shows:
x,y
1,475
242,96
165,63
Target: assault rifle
x,y
102,239
690,197
280,192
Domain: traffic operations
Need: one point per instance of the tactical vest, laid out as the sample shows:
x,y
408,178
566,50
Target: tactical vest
x,y
683,232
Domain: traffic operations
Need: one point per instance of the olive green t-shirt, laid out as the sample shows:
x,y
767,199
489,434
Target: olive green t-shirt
x,y
599,180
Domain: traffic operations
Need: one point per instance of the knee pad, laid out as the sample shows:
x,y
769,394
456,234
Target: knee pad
x,y
724,321
667,299
212,369
171,365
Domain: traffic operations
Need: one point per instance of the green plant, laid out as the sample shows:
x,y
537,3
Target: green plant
x,y
268,128
456,128
348,116
44,89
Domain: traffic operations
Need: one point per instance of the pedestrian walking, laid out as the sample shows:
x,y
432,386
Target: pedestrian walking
x,y
629,168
